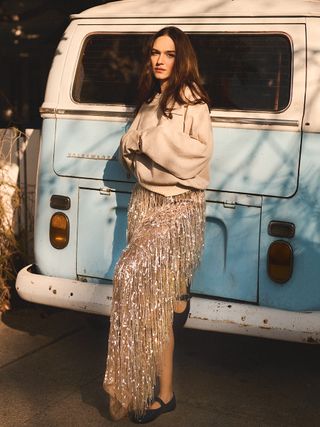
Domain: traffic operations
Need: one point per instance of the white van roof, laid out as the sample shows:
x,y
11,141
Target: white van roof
x,y
181,8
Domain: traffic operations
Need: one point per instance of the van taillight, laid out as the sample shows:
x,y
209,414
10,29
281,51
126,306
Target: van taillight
x,y
280,261
59,230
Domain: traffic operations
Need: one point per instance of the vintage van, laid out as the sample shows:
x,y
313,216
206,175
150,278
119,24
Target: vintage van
x,y
260,62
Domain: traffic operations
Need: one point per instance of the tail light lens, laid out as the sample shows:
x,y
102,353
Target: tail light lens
x,y
280,261
59,230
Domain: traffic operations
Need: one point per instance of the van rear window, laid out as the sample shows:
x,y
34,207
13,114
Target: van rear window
x,y
239,71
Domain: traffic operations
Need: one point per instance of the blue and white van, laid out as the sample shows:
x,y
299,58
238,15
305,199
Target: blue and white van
x,y
260,62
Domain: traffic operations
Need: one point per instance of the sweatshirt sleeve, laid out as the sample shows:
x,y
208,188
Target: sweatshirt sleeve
x,y
129,144
183,154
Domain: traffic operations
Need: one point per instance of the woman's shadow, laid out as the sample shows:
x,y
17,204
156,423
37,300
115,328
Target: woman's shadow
x,y
120,183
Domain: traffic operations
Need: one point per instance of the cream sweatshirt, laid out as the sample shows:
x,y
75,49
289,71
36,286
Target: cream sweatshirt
x,y
169,156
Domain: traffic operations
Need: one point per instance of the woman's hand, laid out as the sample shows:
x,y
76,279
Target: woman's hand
x,y
131,142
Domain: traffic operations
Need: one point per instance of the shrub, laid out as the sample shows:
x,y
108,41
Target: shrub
x,y
9,201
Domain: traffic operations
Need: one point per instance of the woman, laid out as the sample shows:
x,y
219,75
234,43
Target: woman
x,y
167,148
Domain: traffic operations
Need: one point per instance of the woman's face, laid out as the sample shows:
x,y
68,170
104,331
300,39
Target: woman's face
x,y
163,56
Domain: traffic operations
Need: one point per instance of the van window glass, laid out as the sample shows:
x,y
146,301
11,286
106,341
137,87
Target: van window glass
x,y
245,72
240,71
109,68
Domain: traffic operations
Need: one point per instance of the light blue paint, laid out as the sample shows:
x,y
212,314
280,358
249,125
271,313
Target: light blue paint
x,y
53,262
234,260
256,161
102,232
247,161
229,265
230,234
302,291
99,138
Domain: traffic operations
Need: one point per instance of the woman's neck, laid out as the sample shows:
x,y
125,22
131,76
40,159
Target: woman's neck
x,y
163,85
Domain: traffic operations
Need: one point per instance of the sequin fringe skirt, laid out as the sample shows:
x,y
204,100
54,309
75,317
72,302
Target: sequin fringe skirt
x,y
165,239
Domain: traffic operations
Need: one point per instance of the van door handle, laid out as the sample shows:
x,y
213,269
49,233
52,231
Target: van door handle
x,y
229,205
105,191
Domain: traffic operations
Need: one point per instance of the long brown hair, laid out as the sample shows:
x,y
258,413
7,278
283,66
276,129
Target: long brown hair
x,y
185,74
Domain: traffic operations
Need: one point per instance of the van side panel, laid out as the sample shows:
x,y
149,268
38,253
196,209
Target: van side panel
x,y
302,291
51,98
312,113
53,262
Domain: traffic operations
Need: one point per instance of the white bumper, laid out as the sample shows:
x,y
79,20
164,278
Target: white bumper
x,y
205,314
64,293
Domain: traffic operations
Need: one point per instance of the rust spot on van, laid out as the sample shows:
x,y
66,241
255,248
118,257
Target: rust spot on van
x,y
198,318
265,323
54,291
243,318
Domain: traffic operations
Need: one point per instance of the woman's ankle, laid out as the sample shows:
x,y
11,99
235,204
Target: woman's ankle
x,y
180,306
166,396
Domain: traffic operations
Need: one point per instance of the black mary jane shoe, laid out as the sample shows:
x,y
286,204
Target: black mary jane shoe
x,y
152,414
179,319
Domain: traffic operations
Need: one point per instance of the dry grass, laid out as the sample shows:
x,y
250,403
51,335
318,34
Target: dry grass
x,y
8,247
9,201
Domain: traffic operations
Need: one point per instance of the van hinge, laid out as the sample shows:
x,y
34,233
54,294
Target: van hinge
x,y
229,205
105,191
